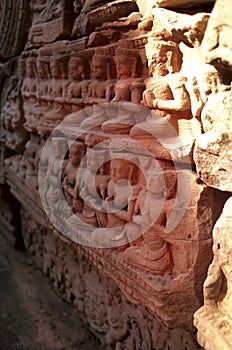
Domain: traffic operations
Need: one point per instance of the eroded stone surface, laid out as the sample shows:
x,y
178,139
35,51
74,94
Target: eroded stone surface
x,y
217,43
146,6
214,319
213,149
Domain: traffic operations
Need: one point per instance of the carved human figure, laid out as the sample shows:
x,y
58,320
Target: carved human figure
x,y
71,192
54,194
127,87
166,93
13,119
31,149
119,202
93,188
78,88
148,249
57,95
58,84
43,77
100,87
28,88
29,93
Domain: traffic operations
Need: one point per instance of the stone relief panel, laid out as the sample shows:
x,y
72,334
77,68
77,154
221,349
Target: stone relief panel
x,y
81,57
111,317
13,133
132,215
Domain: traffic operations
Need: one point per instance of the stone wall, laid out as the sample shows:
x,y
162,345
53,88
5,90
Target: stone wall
x,y
116,145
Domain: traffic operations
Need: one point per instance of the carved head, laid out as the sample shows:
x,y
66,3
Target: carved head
x,y
121,169
126,60
56,67
76,152
58,145
96,160
31,67
163,57
76,68
100,66
155,183
41,71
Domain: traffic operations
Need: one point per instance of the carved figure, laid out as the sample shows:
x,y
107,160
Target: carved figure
x,y
57,94
71,192
100,88
42,66
149,251
120,201
13,119
93,189
166,92
29,94
31,149
78,88
58,84
127,87
54,194
28,88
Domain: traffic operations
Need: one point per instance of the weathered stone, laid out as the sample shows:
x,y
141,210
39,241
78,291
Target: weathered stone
x,y
217,41
213,158
183,27
145,6
212,153
214,319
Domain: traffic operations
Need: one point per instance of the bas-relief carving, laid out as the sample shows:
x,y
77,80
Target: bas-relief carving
x,y
76,152
111,317
54,22
57,91
152,252
55,84
58,80
77,90
91,213
167,95
15,136
109,11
